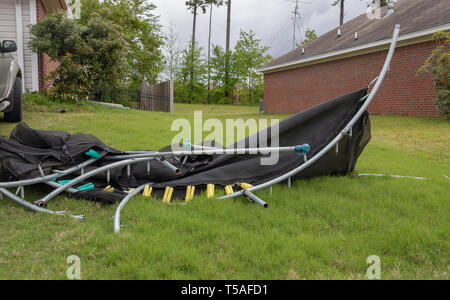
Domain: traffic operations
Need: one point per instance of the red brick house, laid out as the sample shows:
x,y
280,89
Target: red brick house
x,y
16,17
349,57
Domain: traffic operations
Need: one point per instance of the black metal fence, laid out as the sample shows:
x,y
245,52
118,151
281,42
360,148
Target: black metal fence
x,y
127,97
157,97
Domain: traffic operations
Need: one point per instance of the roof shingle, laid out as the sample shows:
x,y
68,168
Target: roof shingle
x,y
412,15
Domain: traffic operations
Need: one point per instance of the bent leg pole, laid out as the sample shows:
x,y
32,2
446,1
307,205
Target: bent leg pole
x,y
34,207
252,197
169,165
122,205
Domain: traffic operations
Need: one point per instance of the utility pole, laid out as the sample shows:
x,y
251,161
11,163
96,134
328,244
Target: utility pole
x,y
296,18
296,13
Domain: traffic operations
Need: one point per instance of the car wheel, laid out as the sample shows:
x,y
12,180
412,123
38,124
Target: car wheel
x,y
15,115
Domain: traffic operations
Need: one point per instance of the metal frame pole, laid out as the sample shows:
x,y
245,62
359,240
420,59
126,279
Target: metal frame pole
x,y
48,177
214,151
344,132
123,203
34,207
43,202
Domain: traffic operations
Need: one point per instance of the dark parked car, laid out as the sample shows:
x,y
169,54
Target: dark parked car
x,y
10,83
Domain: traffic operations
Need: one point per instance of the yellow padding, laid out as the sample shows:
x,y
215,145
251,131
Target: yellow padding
x,y
107,188
192,193
229,190
147,191
130,190
169,195
188,194
111,190
246,186
166,193
210,190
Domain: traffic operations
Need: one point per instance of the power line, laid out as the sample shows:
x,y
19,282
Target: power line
x,y
296,13
296,19
300,32
280,31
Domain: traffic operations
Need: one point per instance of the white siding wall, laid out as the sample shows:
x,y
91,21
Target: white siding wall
x,y
8,32
7,20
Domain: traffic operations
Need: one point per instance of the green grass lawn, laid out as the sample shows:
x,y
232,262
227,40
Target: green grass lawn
x,y
322,228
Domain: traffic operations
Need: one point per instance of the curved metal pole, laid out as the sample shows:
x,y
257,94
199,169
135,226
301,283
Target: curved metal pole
x,y
122,205
136,158
43,201
333,143
48,177
212,151
34,207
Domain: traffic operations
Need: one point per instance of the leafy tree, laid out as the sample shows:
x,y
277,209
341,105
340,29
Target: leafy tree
x,y
89,56
191,76
56,36
195,6
438,64
217,3
141,30
310,35
172,52
249,55
104,52
218,62
71,82
218,66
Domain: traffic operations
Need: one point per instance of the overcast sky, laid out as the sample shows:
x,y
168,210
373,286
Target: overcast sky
x,y
271,20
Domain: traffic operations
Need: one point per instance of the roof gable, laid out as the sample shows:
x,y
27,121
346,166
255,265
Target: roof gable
x,y
412,15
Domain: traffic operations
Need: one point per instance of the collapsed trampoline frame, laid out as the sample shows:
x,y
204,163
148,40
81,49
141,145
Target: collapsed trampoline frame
x,y
142,156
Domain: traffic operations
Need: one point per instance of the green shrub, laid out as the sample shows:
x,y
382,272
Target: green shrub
x,y
71,82
438,64
89,56
36,98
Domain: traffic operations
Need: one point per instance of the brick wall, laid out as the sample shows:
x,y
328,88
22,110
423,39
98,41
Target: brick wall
x,y
402,92
45,64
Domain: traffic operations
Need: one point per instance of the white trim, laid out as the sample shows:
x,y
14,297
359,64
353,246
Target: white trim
x,y
367,48
19,39
34,57
69,13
